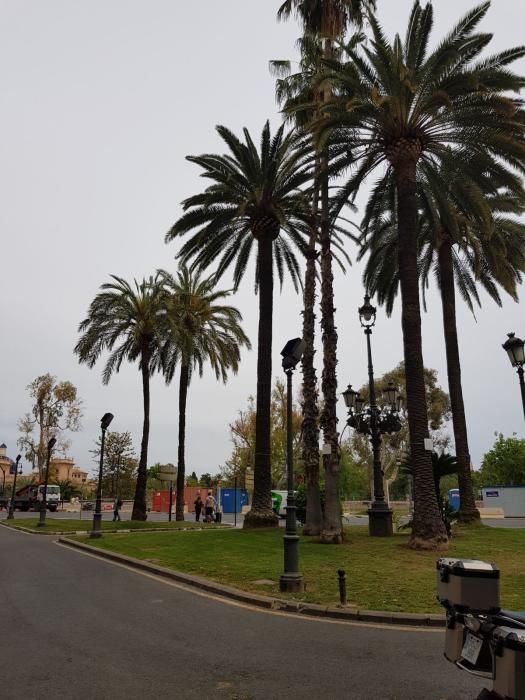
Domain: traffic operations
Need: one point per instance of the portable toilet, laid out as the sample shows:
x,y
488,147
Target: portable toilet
x,y
453,499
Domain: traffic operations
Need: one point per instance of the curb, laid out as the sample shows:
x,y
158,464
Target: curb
x,y
54,533
289,606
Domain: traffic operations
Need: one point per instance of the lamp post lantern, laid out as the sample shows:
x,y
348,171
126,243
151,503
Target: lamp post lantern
x,y
11,512
43,503
372,422
97,517
515,348
291,580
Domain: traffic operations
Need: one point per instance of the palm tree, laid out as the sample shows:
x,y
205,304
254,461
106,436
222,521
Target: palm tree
x,y
130,317
201,330
399,105
327,19
254,198
463,246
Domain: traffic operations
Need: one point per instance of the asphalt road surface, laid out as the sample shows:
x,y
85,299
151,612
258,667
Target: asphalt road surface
x,y
77,627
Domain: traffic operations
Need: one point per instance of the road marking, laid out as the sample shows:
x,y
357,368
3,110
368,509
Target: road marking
x,y
247,606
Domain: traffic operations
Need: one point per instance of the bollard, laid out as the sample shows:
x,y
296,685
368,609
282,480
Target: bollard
x,y
342,586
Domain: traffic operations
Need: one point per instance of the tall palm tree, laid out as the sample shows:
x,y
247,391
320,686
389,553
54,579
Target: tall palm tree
x,y
399,104
327,19
255,197
202,329
128,316
463,246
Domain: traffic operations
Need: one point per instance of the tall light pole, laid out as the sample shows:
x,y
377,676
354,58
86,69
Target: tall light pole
x,y
515,348
11,513
97,517
43,504
291,580
379,514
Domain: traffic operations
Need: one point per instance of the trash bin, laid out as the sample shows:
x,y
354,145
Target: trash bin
x,y
468,585
453,499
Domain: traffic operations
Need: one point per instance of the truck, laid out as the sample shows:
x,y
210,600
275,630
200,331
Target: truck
x,y
31,496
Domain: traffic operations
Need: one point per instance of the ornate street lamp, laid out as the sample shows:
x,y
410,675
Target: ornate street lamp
x,y
43,504
515,348
97,517
14,470
291,580
373,421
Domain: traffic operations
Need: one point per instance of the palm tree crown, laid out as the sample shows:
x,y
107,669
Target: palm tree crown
x,y
254,195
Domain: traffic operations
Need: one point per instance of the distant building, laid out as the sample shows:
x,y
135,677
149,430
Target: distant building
x,y
6,478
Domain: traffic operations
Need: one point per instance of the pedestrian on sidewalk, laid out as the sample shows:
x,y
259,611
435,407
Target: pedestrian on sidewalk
x,y
198,506
116,508
210,504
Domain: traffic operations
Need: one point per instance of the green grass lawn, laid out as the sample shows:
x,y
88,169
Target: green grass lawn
x,y
382,574
66,525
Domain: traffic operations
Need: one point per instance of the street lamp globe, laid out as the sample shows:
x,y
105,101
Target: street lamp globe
x,y
349,395
367,313
391,394
515,348
359,403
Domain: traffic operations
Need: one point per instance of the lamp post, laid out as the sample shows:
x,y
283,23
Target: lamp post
x,y
373,422
97,517
515,348
291,580
43,504
11,512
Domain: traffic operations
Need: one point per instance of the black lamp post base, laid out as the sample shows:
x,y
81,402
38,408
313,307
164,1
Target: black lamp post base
x,y
95,534
291,583
380,521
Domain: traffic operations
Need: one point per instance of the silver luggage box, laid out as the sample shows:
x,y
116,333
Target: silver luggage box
x,y
509,662
468,585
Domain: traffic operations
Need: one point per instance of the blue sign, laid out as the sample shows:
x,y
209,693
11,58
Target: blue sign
x,y
492,494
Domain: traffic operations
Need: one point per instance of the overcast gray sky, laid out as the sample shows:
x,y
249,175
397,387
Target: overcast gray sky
x,y
100,102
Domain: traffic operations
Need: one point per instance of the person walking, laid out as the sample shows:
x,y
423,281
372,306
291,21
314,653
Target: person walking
x,y
116,508
198,506
210,505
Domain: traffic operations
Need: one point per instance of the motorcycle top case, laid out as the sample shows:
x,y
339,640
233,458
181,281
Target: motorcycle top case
x,y
509,662
468,585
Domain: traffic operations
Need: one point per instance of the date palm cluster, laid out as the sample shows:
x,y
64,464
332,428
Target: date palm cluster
x,y
437,136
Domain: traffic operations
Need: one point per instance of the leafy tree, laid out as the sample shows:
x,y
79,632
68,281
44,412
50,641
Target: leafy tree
x,y
129,316
243,433
68,489
400,105
206,480
504,464
255,197
119,471
56,409
202,329
394,446
192,480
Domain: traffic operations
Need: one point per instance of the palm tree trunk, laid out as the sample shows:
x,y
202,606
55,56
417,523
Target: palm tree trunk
x,y
332,531
181,466
139,503
261,513
467,509
428,529
310,426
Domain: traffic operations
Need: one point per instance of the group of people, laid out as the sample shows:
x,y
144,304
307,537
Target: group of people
x,y
212,510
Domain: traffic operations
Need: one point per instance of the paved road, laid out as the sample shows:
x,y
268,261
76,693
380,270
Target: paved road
x,y
77,627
